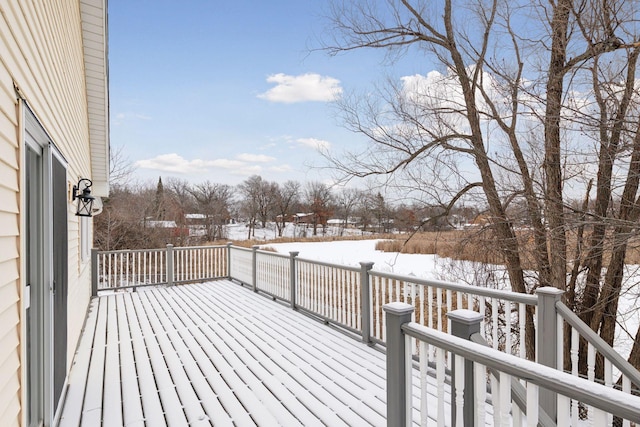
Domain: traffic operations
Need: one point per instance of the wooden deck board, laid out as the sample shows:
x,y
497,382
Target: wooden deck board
x,y
218,354
131,399
152,408
193,369
112,405
72,412
166,386
235,395
93,397
333,364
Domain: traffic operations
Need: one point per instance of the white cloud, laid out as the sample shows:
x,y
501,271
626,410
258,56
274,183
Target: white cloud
x,y
258,158
170,163
177,164
316,144
301,88
244,164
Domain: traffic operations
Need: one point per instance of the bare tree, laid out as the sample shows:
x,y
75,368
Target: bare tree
x,y
319,203
123,221
213,200
507,112
120,168
259,197
346,201
287,198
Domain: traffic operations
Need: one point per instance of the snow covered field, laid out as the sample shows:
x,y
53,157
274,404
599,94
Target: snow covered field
x,y
353,252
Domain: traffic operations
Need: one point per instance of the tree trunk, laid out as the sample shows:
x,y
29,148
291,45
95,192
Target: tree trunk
x,y
552,167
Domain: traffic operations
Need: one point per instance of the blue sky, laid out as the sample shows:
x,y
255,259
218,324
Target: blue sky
x,y
218,91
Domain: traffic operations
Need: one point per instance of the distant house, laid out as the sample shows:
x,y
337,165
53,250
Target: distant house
x,y
196,219
54,131
303,218
339,222
480,221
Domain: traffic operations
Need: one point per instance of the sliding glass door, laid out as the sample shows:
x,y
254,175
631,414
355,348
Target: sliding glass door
x,y
46,265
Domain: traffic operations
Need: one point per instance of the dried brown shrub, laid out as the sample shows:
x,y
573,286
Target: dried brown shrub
x,y
478,245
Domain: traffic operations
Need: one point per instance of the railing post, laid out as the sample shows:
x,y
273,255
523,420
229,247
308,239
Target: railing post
x,y
547,340
94,272
229,260
292,277
169,264
254,270
464,323
398,364
365,301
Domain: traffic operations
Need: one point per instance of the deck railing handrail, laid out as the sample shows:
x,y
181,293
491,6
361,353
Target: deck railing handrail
x,y
329,264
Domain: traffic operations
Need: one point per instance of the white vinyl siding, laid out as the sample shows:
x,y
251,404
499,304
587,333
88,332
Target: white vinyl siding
x,y
43,55
9,257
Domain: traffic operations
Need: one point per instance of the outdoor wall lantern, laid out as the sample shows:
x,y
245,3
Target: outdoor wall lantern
x,y
85,199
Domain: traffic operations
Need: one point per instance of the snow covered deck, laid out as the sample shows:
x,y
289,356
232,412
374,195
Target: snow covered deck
x,y
218,354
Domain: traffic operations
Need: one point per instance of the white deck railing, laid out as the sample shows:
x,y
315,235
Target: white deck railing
x,y
131,269
352,298
515,388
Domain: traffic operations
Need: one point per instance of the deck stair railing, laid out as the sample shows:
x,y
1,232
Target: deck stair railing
x,y
476,369
352,298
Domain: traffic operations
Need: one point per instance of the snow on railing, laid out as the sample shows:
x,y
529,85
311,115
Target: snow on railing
x,y
480,374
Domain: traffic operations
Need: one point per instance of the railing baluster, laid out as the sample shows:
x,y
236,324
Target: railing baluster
x,y
480,393
522,330
482,303
134,267
421,301
495,309
430,306
424,366
626,387
505,399
449,307
495,398
94,272
440,381
575,340
532,404
507,332
591,375
439,308
458,387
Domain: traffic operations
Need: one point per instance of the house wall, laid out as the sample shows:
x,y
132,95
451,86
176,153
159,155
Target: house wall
x,y
41,54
